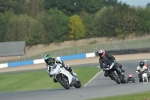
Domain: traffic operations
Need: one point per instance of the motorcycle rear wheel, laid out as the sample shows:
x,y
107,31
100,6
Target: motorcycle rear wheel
x,y
133,80
78,84
123,81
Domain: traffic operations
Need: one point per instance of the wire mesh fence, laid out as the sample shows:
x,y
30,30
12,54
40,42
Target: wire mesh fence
x,y
89,48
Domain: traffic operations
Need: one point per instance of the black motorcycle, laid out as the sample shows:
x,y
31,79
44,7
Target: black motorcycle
x,y
113,70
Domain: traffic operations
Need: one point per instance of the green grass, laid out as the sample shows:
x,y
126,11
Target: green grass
x,y
38,80
135,96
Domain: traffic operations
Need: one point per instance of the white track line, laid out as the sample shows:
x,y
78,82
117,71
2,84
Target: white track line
x,y
93,78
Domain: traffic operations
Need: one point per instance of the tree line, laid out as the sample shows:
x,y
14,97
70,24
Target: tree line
x,y
47,21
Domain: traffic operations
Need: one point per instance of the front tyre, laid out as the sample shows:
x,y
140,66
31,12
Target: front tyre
x,y
115,77
64,82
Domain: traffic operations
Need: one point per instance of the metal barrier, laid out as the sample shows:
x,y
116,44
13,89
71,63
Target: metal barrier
x,y
127,51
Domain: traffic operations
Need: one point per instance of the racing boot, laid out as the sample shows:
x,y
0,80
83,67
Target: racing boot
x,y
49,75
106,74
55,80
122,70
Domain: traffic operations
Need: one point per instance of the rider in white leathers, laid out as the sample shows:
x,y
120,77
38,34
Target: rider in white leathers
x,y
140,69
50,61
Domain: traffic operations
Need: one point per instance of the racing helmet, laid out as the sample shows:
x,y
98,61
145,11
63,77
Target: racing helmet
x,y
101,53
48,59
141,64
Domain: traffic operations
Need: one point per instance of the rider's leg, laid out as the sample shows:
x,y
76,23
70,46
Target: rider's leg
x,y
121,67
67,67
140,77
106,74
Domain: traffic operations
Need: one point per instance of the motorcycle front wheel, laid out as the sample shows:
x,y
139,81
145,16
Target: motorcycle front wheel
x,y
63,81
115,77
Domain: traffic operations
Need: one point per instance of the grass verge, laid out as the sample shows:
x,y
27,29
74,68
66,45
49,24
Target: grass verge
x,y
135,96
38,80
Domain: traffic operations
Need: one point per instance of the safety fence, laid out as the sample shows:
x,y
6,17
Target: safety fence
x,y
76,56
127,51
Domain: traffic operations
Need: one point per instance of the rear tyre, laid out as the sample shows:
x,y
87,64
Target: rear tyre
x,y
115,77
133,80
145,80
128,80
78,84
64,82
123,80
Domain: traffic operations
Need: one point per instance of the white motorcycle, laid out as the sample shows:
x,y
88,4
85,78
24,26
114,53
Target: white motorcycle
x,y
144,77
64,77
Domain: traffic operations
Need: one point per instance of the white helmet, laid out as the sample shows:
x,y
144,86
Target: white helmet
x,y
145,61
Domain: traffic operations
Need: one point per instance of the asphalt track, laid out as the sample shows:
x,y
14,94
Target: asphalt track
x,y
100,86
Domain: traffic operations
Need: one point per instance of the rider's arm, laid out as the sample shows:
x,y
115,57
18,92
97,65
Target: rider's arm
x,y
57,61
101,63
48,68
47,65
110,57
138,69
145,68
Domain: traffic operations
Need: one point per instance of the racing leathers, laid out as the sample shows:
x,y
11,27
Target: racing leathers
x,y
140,71
108,57
55,60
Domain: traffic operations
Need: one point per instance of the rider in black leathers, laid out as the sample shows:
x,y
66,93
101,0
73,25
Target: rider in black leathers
x,y
104,56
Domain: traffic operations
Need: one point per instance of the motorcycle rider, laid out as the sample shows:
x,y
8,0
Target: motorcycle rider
x,y
145,63
140,69
50,61
105,56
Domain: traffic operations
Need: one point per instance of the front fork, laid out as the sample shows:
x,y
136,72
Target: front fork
x,y
119,72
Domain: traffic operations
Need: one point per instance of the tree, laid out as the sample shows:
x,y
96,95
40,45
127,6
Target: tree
x,y
119,20
23,28
68,7
11,5
77,30
33,7
89,24
143,19
104,22
148,5
72,7
92,6
110,2
3,27
56,26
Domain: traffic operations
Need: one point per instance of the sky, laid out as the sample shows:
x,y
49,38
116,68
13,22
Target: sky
x,y
141,3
